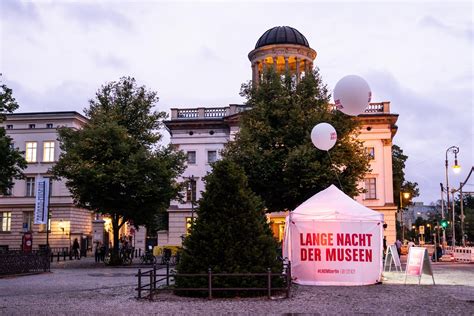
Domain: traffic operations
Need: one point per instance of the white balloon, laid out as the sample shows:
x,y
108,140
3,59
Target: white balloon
x,y
352,95
324,136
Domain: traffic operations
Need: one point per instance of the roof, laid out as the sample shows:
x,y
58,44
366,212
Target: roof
x,y
282,35
333,204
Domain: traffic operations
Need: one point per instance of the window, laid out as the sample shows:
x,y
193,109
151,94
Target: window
x,y
42,227
49,125
48,151
28,221
5,221
9,126
189,222
371,189
211,156
30,186
30,155
191,157
371,152
31,125
191,191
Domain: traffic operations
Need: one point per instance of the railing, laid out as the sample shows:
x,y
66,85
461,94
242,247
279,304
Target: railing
x,y
17,261
187,113
215,112
148,281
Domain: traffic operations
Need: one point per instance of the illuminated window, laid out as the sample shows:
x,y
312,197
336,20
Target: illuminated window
x,y
211,156
30,186
189,221
191,157
5,221
370,188
48,151
30,155
371,152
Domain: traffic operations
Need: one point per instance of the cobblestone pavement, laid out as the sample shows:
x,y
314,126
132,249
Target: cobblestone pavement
x,y
83,287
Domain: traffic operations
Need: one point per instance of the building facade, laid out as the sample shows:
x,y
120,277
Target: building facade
x,y
36,135
203,132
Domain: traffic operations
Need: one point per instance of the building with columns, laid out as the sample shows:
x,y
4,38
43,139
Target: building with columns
x,y
203,132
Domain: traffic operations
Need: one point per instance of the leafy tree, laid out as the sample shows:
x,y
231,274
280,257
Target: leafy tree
x,y
12,162
111,165
468,209
274,144
230,234
399,182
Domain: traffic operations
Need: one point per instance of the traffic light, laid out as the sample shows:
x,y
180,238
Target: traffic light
x,y
444,223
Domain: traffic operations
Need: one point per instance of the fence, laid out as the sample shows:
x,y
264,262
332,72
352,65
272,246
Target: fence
x,y
148,281
464,254
17,261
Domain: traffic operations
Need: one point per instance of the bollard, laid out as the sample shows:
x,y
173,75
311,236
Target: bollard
x,y
154,276
58,256
269,283
167,274
64,255
209,278
139,283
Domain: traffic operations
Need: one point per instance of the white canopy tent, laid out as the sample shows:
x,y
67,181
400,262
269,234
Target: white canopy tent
x,y
331,239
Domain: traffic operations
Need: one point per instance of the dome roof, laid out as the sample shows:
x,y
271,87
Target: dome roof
x,y
282,35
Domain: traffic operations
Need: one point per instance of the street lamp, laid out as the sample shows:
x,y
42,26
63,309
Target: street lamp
x,y
406,195
192,189
457,169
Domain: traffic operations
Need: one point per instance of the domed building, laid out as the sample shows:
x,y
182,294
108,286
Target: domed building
x,y
285,49
203,132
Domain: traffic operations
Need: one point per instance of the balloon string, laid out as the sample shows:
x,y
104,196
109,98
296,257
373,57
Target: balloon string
x,y
337,176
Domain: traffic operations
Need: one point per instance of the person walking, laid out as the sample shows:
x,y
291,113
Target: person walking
x,y
398,243
75,249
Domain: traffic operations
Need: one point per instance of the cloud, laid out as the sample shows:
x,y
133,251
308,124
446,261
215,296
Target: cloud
x,y
111,61
91,15
431,22
19,10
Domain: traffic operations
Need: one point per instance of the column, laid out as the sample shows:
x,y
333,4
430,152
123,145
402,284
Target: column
x,y
286,63
305,63
275,59
297,60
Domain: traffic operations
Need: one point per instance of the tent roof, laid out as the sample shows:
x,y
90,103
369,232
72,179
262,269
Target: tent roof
x,y
333,204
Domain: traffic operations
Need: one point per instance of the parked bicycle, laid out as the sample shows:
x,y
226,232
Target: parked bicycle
x,y
147,258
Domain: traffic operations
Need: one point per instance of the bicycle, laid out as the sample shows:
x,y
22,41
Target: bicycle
x,y
147,257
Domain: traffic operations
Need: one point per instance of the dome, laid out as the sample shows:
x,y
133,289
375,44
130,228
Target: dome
x,y
282,35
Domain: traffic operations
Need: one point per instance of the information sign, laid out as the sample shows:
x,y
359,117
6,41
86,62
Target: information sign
x,y
392,257
418,262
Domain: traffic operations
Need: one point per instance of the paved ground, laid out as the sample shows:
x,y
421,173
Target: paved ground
x,y
83,287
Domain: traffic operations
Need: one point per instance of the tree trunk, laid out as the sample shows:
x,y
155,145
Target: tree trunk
x,y
115,258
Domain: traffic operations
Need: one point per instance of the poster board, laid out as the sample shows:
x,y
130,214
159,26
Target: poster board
x,y
392,257
336,253
418,262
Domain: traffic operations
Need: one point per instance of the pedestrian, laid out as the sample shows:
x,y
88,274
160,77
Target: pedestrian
x,y
97,251
75,249
384,247
398,243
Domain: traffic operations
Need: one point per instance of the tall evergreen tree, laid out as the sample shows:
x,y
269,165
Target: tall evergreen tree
x,y
12,162
230,234
274,144
113,166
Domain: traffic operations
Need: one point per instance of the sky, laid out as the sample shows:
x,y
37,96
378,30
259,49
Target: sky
x,y
416,54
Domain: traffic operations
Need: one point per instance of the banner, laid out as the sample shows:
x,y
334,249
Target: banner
x,y
42,201
336,253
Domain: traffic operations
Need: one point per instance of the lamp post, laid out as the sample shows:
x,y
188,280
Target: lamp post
x,y
192,189
406,195
456,169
